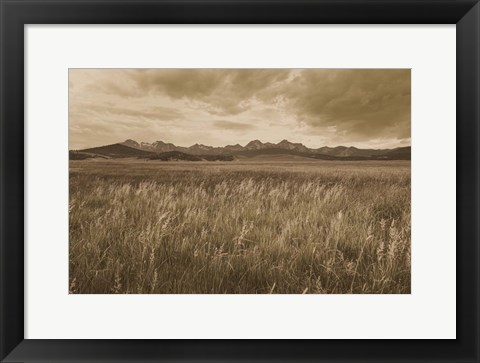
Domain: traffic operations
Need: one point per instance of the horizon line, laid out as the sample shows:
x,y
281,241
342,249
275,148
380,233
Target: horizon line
x,y
267,142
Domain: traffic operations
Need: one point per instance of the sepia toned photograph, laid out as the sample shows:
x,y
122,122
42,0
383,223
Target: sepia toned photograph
x,y
239,181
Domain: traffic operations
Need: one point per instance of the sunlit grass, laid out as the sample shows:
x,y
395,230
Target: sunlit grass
x,y
322,227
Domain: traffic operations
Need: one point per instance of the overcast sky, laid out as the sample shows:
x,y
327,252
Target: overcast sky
x,y
317,107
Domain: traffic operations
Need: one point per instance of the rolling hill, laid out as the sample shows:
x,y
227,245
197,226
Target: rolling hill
x,y
115,151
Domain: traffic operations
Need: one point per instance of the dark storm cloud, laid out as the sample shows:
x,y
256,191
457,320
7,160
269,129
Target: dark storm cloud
x,y
314,106
221,91
366,103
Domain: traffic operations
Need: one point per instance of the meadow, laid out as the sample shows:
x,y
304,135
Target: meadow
x,y
258,226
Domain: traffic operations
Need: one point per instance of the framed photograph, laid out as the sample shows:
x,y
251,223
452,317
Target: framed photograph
x,y
239,181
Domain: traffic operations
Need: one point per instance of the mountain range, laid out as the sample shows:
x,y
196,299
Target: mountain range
x,y
169,151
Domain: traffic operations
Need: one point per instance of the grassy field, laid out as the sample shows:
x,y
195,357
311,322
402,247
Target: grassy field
x,y
257,226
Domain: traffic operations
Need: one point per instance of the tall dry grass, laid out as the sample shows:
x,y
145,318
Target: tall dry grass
x,y
239,227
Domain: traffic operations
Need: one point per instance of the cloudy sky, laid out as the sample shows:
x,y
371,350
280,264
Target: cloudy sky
x,y
317,107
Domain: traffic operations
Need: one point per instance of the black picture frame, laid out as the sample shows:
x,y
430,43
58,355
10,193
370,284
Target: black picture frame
x,y
15,14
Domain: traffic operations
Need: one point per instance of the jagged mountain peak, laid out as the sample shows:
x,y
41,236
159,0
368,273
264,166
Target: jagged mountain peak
x,y
254,144
131,143
200,146
258,147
